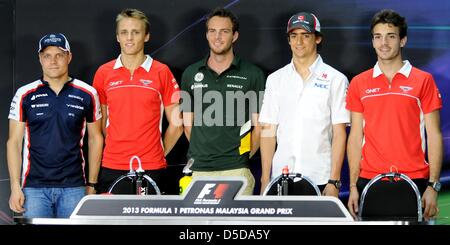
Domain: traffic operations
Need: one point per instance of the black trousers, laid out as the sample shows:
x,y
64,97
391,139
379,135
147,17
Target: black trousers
x,y
108,176
421,184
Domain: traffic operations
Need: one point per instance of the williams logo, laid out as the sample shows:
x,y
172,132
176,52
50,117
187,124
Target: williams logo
x,y
211,194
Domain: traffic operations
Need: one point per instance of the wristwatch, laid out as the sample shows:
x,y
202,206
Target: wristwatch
x,y
93,185
435,185
336,183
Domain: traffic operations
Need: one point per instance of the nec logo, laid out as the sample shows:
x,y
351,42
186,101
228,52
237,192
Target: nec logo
x,y
320,85
372,90
211,193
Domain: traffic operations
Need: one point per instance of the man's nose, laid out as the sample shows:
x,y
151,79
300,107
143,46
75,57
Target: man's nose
x,y
53,59
130,36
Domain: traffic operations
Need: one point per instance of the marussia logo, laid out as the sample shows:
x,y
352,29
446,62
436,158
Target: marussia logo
x,y
145,82
405,89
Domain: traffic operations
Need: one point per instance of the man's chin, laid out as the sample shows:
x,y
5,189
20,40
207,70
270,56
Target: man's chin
x,y
220,51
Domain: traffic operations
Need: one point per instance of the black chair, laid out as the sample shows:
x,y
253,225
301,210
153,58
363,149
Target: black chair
x,y
390,196
297,184
134,182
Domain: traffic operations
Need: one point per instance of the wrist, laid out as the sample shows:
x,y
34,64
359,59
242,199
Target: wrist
x,y
336,183
436,186
91,184
15,186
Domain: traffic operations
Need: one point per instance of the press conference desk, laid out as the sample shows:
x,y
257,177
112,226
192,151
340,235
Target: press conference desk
x,y
207,202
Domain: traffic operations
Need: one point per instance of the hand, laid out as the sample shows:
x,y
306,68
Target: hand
x,y
264,183
90,190
16,201
330,190
429,203
353,201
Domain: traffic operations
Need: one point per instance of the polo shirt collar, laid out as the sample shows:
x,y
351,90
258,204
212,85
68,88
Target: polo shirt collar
x,y
405,70
314,68
146,65
47,84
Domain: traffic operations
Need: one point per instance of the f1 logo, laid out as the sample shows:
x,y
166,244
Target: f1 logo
x,y
218,193
206,190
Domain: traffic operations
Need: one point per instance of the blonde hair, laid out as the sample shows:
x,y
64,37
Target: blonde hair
x,y
133,13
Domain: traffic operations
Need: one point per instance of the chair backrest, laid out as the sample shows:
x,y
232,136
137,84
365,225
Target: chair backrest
x,y
127,184
134,182
297,185
390,196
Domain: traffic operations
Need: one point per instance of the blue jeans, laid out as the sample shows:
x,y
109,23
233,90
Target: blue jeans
x,y
51,202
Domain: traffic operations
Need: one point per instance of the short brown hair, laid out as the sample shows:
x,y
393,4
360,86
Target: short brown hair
x,y
133,13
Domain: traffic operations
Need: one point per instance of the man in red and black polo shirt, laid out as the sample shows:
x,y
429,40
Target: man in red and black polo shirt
x,y
135,91
393,105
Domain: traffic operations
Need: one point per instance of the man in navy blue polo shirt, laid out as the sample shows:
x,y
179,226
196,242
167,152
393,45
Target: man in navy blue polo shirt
x,y
47,122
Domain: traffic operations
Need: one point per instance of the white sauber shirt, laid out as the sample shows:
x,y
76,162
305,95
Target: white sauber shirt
x,y
305,112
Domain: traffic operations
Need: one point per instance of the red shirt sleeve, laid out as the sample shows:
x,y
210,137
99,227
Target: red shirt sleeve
x,y
431,99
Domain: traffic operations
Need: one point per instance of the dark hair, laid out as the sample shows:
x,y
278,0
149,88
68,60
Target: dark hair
x,y
133,13
319,34
389,16
221,12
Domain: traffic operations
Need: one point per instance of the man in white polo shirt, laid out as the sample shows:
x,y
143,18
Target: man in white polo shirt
x,y
304,112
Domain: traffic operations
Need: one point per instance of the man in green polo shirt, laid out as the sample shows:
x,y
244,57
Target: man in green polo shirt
x,y
221,100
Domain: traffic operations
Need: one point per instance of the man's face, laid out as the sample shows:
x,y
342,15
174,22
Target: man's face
x,y
220,35
303,44
54,62
131,36
386,41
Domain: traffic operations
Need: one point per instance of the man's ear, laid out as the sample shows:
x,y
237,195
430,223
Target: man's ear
x,y
318,39
403,41
235,36
70,57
